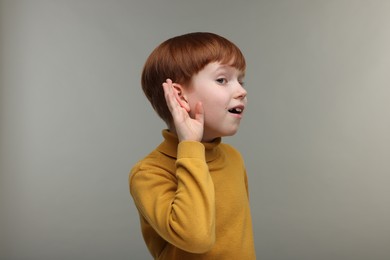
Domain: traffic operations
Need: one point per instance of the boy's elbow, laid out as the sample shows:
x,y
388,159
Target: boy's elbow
x,y
195,236
199,243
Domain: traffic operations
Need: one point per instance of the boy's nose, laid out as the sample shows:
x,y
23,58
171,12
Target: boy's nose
x,y
241,92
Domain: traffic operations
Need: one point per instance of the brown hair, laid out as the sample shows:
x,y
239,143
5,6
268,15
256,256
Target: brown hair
x,y
181,57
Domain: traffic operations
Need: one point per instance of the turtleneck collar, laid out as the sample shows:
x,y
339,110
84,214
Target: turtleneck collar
x,y
170,143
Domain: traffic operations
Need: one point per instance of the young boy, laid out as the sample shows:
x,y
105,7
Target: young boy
x,y
192,190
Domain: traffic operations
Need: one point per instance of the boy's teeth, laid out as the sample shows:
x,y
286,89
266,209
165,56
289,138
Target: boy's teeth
x,y
235,110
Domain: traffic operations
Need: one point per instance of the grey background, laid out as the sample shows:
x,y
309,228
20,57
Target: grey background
x,y
74,120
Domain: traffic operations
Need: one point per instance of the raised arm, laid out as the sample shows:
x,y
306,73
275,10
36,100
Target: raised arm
x,y
180,206
178,201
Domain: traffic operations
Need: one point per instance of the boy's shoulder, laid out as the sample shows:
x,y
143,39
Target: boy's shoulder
x,y
153,165
154,159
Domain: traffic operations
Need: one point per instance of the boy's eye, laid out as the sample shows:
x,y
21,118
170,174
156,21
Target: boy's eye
x,y
221,80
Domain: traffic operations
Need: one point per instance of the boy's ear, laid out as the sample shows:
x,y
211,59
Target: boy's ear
x,y
181,97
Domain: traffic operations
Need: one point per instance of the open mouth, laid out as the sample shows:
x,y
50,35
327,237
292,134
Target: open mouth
x,y
236,110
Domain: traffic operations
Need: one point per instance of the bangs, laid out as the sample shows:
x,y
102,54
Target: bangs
x,y
232,56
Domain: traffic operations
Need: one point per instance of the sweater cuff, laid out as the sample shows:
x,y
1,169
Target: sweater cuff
x,y
191,149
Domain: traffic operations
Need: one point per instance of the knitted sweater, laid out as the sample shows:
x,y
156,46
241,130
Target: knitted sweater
x,y
193,201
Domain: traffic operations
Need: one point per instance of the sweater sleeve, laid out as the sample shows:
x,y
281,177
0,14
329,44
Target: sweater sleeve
x,y
179,207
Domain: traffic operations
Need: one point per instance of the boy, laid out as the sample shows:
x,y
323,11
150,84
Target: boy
x,y
192,191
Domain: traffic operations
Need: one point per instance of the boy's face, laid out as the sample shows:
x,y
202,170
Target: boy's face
x,y
219,88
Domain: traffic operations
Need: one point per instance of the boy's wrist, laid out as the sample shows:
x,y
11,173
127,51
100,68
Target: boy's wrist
x,y
188,138
190,149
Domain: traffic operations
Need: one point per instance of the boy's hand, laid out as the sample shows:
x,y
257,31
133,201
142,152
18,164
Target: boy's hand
x,y
187,128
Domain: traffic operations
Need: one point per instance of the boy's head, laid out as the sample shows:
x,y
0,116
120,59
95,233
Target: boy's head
x,y
180,58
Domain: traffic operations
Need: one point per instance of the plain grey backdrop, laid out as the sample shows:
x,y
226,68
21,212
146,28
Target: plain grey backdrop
x,y
315,138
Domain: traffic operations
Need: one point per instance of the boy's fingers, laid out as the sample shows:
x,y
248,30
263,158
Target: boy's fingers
x,y
166,93
170,98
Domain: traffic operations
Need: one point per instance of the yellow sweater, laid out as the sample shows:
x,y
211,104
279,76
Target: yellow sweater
x,y
193,201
